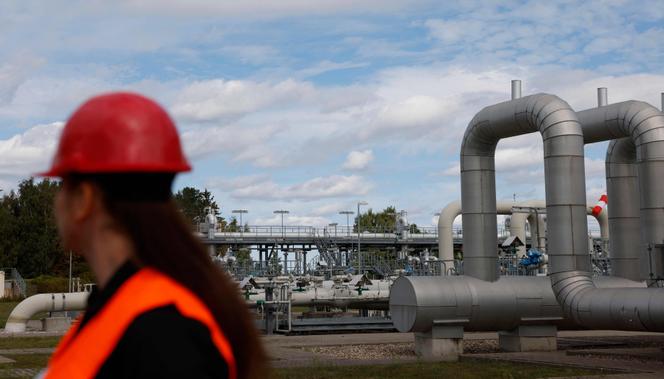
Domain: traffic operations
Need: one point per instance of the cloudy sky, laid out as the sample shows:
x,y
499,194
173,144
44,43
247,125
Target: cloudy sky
x,y
311,105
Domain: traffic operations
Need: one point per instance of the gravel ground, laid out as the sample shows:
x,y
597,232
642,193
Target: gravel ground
x,y
480,346
405,350
366,352
394,350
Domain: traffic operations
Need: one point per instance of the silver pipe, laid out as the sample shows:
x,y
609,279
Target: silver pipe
x,y
44,302
516,89
417,302
564,180
622,185
537,230
629,308
453,209
662,107
518,229
602,97
644,124
445,230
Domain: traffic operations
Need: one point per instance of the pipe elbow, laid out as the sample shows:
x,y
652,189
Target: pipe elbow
x,y
43,302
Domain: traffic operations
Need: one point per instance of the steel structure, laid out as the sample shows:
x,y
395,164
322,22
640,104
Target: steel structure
x,y
479,301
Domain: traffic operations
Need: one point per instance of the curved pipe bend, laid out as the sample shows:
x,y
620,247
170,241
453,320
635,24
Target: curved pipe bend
x,y
44,302
623,308
563,144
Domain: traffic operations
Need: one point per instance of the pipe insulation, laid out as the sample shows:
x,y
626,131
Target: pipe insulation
x,y
44,302
517,226
644,125
417,303
453,209
564,171
624,221
628,308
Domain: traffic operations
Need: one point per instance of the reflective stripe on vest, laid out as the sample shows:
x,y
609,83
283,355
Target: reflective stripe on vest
x,y
81,355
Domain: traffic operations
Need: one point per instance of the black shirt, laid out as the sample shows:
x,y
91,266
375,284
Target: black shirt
x,y
160,343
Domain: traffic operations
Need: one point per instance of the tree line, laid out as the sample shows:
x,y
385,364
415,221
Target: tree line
x,y
29,239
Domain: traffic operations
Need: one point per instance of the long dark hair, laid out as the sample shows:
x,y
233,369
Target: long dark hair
x,y
142,207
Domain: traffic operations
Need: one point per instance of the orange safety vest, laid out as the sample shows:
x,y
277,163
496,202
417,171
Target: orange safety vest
x,y
81,355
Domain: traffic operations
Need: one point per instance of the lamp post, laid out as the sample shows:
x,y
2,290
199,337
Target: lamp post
x,y
282,212
347,213
334,225
240,211
359,250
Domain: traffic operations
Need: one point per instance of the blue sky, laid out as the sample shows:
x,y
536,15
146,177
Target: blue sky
x,y
313,105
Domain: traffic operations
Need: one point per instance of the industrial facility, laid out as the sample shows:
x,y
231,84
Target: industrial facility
x,y
542,271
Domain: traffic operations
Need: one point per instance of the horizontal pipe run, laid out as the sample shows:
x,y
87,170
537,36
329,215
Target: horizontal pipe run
x,y
416,303
44,302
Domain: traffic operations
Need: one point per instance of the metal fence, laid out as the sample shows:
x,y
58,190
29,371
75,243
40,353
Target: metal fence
x,y
18,286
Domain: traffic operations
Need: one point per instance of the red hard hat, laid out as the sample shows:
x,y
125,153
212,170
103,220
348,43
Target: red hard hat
x,y
117,133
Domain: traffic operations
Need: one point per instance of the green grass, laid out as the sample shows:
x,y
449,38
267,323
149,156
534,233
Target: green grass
x,y
28,342
37,361
5,309
465,369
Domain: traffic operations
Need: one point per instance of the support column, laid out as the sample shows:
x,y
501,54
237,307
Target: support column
x,y
285,262
440,343
529,338
269,312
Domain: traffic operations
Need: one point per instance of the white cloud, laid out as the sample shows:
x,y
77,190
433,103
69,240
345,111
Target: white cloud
x,y
327,66
220,99
358,160
14,72
262,9
536,32
293,220
30,152
328,209
313,189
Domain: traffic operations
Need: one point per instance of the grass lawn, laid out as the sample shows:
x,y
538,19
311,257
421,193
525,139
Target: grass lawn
x,y
467,368
5,309
37,361
28,342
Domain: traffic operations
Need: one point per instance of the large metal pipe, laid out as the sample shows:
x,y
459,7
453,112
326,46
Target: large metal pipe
x,y
644,125
453,209
572,285
629,308
624,222
445,230
563,160
538,231
417,302
538,224
44,302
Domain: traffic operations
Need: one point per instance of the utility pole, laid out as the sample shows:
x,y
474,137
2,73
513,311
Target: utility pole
x,y
359,250
240,211
347,213
282,212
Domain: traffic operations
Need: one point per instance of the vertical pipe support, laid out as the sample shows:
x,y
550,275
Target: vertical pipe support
x,y
516,89
602,97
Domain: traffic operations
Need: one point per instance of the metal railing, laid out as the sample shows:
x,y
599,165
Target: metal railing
x,y
310,231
